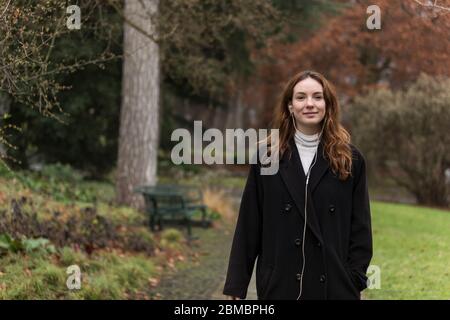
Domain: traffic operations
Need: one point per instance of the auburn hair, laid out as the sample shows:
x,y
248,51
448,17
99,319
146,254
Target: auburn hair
x,y
335,139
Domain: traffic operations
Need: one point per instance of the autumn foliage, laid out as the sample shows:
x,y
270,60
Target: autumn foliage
x,y
412,39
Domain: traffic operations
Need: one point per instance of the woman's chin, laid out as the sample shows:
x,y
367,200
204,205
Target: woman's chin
x,y
310,122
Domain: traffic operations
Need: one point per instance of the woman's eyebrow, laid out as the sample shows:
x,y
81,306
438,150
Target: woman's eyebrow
x,y
317,92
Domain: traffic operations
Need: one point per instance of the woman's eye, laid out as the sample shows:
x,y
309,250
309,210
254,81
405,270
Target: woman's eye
x,y
319,98
300,98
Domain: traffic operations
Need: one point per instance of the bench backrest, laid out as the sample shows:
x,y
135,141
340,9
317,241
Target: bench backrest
x,y
169,197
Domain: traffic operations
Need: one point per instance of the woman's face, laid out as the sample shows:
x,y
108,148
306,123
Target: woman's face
x,y
308,105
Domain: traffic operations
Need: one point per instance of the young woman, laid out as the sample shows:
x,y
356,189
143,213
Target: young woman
x,y
308,225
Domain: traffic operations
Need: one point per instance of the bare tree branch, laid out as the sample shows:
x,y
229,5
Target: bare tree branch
x,y
6,8
432,5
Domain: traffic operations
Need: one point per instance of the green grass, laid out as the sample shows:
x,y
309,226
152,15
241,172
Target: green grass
x,y
105,275
412,249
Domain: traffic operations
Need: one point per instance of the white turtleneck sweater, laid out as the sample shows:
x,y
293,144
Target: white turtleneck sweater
x,y
306,146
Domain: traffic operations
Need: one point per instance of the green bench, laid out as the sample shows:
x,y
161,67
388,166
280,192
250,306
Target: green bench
x,y
175,203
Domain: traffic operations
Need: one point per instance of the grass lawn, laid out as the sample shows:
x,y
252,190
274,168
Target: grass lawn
x,y
105,275
412,249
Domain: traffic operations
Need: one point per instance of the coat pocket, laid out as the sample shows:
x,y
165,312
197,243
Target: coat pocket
x,y
354,281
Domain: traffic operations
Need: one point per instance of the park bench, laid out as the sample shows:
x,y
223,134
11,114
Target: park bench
x,y
174,203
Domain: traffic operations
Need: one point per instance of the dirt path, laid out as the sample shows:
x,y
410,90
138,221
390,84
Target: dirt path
x,y
203,280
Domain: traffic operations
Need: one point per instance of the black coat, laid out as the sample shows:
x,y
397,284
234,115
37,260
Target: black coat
x,y
338,240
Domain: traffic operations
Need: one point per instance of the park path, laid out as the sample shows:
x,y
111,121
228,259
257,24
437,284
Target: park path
x,y
204,280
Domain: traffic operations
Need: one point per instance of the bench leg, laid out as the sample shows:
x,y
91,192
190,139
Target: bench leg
x,y
189,227
160,224
204,224
152,222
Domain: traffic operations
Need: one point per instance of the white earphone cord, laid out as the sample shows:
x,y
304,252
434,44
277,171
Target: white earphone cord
x,y
306,204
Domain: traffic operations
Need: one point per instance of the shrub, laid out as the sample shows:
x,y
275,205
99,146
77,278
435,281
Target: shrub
x,y
405,134
8,244
140,240
171,239
82,228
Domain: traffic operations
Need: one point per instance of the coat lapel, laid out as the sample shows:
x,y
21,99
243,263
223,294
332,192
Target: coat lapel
x,y
292,173
319,169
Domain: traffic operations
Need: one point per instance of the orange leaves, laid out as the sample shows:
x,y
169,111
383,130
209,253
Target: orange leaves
x,y
412,39
3,198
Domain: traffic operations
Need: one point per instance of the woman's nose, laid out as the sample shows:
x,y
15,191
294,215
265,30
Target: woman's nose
x,y
309,102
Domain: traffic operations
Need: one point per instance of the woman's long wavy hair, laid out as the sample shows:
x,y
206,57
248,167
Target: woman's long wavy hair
x,y
336,140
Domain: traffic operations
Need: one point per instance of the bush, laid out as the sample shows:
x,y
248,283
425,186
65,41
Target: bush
x,y
171,235
405,134
62,183
83,228
8,244
140,240
171,239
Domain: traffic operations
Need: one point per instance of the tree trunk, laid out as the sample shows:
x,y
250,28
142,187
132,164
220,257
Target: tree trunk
x,y
139,118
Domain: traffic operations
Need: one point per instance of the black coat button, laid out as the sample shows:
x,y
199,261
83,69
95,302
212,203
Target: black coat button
x,y
288,207
322,278
298,242
319,244
332,208
299,276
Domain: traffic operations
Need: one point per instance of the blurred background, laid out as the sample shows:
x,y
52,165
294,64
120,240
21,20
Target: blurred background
x,y
91,91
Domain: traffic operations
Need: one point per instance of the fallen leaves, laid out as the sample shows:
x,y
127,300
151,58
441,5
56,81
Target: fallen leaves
x,y
28,272
153,282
